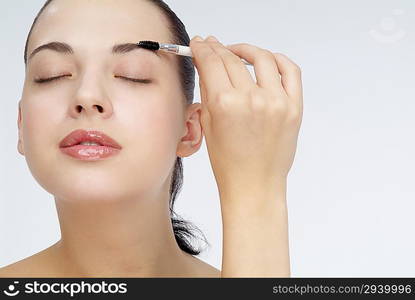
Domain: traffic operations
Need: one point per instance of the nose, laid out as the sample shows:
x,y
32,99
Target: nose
x,y
91,100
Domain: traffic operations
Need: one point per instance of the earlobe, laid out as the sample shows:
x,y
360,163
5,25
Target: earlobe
x,y
20,147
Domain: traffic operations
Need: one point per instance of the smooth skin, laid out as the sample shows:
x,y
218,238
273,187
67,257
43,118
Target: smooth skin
x,y
251,130
106,210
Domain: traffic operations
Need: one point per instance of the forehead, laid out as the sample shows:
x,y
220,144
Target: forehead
x,y
95,25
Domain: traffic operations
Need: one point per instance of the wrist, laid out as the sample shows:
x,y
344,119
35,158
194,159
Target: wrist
x,y
253,202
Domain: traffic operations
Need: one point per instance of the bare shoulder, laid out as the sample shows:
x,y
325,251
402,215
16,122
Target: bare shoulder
x,y
27,267
18,269
203,269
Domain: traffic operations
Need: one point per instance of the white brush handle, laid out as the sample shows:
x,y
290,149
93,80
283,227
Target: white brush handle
x,y
187,51
184,51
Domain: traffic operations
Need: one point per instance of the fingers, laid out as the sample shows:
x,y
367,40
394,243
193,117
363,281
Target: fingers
x,y
237,71
290,76
220,68
265,65
210,66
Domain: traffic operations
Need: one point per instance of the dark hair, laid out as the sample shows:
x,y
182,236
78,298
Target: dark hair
x,y
184,231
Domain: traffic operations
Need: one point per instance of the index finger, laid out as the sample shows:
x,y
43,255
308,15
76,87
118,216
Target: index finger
x,y
210,66
265,66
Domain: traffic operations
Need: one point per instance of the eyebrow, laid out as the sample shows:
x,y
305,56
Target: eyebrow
x,y
65,48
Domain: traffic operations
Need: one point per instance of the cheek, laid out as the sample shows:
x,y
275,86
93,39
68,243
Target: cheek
x,y
154,126
36,123
40,128
42,123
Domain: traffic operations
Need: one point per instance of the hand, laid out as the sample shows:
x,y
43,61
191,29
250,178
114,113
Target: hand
x,y
251,128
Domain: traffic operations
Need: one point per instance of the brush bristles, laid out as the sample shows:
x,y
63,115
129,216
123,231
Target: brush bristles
x,y
150,45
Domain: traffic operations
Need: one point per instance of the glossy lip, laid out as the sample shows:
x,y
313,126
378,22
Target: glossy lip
x,y
80,135
70,145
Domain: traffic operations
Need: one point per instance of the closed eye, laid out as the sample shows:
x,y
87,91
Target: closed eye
x,y
43,80
134,79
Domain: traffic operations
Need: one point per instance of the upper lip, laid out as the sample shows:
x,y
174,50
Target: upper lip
x,y
80,135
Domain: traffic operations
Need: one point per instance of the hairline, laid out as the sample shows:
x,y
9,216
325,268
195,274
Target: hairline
x,y
48,2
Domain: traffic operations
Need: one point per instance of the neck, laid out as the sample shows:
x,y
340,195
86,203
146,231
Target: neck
x,y
118,238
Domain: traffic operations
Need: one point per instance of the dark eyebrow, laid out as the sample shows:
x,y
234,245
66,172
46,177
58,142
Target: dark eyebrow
x,y
128,47
64,48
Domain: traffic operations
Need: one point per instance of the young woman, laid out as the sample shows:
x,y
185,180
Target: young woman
x,y
85,82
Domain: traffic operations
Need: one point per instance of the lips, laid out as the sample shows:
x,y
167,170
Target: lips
x,y
78,136
71,145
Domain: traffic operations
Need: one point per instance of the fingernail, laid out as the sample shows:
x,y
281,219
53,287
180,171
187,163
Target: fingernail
x,y
197,38
211,38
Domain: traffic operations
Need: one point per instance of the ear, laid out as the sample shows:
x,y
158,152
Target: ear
x,y
19,126
193,134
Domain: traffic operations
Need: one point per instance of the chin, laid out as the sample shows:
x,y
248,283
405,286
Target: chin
x,y
80,185
92,182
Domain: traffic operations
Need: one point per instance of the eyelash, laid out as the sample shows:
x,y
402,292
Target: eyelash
x,y
135,80
145,81
44,80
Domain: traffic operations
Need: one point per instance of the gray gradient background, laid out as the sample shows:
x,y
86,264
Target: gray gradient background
x,y
350,191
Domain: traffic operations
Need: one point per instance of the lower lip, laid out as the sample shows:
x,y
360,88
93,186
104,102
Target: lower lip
x,y
85,152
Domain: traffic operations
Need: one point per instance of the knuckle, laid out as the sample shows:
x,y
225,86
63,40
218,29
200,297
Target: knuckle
x,y
279,108
268,54
292,65
226,96
265,55
223,101
294,115
297,69
220,109
244,45
258,105
258,101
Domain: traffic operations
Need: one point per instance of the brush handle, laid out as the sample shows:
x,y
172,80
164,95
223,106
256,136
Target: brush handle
x,y
186,51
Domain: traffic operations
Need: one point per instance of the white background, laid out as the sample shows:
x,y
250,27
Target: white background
x,y
350,191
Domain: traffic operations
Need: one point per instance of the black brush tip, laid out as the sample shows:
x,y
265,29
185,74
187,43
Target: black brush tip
x,y
150,45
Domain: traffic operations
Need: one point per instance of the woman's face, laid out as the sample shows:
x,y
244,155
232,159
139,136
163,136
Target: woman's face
x,y
146,119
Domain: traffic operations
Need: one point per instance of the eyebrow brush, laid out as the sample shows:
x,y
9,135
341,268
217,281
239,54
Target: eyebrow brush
x,y
172,48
